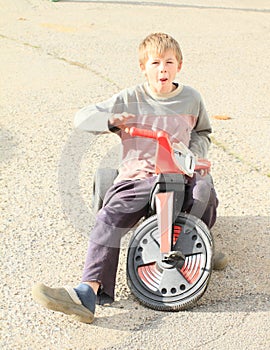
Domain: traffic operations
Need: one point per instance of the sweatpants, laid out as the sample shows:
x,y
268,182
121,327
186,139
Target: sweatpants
x,y
124,205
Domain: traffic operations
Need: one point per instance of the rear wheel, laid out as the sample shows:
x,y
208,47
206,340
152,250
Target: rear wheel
x,y
165,286
103,180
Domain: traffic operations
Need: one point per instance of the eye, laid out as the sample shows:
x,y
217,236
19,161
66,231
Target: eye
x,y
155,62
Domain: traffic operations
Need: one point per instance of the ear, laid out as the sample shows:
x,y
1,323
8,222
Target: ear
x,y
143,70
142,67
179,66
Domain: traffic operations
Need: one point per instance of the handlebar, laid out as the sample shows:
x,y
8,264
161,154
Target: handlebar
x,y
203,164
143,133
163,140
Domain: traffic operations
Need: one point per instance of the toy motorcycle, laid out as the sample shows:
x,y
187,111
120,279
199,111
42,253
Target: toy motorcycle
x,y
170,254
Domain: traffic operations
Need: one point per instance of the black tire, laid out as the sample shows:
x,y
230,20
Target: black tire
x,y
165,287
103,180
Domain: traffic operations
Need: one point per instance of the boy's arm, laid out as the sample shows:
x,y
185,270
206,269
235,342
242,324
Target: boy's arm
x,y
92,119
96,118
200,135
88,119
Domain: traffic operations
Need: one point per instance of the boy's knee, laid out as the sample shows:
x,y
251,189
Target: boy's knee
x,y
203,191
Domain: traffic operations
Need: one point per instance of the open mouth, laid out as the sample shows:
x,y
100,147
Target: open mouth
x,y
163,80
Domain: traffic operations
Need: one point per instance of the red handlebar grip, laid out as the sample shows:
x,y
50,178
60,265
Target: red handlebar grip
x,y
203,164
142,133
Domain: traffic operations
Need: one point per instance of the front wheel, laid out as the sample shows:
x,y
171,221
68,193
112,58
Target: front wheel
x,y
164,286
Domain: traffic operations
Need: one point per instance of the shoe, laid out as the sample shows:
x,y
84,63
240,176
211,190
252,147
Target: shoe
x,y
220,261
79,302
104,299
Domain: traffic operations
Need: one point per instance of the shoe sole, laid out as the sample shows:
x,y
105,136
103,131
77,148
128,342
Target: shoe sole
x,y
58,299
220,261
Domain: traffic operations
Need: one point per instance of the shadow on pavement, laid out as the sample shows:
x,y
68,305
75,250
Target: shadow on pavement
x,y
243,287
172,5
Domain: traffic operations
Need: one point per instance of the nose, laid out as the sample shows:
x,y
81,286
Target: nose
x,y
162,67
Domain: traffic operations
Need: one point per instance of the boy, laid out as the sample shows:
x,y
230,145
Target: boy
x,y
158,104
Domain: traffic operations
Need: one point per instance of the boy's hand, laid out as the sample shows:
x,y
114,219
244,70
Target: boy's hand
x,y
203,166
120,120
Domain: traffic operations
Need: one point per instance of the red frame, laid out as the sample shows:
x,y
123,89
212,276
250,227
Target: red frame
x,y
165,163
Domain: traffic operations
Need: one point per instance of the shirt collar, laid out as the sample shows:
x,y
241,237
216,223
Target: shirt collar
x,y
158,96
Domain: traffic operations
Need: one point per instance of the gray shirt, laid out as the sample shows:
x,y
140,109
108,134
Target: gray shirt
x,y
180,113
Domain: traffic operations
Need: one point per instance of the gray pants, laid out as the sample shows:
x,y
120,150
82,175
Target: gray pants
x,y
124,205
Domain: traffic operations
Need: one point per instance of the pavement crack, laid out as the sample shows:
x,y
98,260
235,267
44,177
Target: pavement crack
x,y
223,334
172,5
64,59
84,66
237,157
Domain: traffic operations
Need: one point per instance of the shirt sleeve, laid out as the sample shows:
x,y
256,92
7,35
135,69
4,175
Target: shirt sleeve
x,y
94,118
200,135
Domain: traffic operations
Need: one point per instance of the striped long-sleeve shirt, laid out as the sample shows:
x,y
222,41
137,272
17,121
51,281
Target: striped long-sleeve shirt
x,y
181,114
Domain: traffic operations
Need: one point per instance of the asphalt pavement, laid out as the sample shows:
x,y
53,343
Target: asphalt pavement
x,y
57,57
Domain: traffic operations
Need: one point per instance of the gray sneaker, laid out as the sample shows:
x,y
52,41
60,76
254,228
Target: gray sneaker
x,y
220,261
65,300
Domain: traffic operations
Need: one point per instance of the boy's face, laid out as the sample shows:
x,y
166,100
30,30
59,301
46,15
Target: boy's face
x,y
160,71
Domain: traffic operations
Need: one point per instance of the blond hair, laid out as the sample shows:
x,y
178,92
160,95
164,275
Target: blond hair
x,y
158,44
